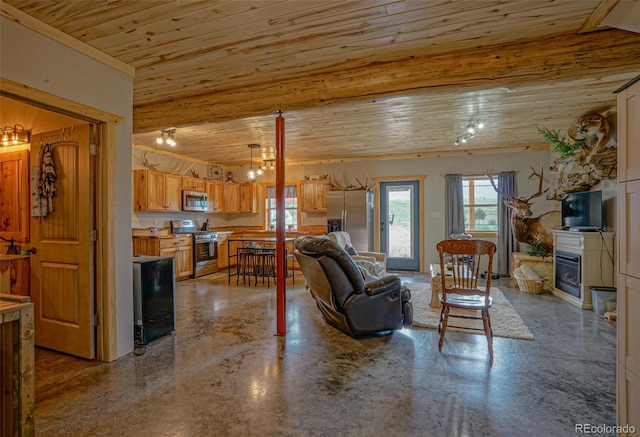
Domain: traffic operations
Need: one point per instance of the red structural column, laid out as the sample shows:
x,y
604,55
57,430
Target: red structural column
x,y
281,263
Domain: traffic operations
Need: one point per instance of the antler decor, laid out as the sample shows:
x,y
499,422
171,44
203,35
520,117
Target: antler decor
x,y
527,229
148,164
339,186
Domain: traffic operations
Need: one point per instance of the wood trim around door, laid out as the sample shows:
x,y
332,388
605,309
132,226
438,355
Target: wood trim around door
x,y
420,179
106,345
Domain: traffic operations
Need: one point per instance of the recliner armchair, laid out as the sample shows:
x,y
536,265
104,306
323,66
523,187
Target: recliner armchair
x,y
344,299
378,259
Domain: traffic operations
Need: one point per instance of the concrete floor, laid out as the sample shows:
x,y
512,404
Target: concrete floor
x,y
224,373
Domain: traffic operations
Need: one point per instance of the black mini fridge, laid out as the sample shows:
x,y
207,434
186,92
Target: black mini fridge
x,y
154,308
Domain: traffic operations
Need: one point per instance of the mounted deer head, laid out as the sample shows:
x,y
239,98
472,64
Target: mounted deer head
x,y
526,228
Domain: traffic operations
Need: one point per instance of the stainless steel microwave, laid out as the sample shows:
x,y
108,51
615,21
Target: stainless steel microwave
x,y
194,201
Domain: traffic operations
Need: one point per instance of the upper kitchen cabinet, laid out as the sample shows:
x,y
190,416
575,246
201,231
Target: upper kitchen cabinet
x,y
249,197
14,194
193,184
314,195
231,197
215,196
156,191
241,197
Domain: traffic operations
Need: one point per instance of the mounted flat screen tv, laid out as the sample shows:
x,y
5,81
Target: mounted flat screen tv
x,y
582,211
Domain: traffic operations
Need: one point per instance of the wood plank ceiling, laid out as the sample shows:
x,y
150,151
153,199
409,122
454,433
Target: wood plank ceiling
x,y
356,80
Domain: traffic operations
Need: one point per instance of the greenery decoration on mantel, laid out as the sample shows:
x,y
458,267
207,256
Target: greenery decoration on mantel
x,y
560,145
536,248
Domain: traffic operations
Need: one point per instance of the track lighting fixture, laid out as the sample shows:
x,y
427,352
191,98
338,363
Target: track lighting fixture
x,y
472,129
170,138
268,164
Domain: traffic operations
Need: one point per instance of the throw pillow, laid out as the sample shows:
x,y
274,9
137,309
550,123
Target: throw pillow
x,y
350,249
368,271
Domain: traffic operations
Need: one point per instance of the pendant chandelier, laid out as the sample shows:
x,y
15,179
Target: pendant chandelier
x,y
253,174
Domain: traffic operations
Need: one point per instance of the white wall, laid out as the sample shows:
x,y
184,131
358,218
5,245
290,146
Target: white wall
x,y
434,194
46,65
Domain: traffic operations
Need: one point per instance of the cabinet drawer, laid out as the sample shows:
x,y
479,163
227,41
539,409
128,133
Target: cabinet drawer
x,y
175,242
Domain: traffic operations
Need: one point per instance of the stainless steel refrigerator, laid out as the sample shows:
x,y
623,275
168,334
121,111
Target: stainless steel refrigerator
x,y
352,211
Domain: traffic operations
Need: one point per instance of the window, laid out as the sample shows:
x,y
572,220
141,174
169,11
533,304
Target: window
x,y
480,206
290,206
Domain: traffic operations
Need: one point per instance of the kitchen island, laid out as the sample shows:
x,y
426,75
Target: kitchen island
x,y
240,250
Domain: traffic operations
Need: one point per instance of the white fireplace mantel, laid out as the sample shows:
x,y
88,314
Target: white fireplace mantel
x,y
596,250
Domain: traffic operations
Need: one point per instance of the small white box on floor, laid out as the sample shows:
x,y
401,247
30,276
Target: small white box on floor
x,y
600,296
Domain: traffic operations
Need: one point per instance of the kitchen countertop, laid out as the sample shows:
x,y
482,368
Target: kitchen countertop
x,y
162,237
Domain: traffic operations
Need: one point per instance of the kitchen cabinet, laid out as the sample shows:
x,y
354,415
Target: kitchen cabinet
x,y
241,197
215,196
180,248
223,251
156,191
314,195
233,250
14,274
628,259
231,197
194,184
249,197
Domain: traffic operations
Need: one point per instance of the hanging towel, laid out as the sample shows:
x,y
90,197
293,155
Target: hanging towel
x,y
38,207
48,177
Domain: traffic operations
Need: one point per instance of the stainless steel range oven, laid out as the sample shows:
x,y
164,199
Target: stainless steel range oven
x,y
205,247
205,253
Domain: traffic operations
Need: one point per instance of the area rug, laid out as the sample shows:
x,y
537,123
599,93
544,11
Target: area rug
x,y
505,321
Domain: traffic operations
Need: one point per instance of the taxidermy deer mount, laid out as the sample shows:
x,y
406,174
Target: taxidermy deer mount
x,y
525,228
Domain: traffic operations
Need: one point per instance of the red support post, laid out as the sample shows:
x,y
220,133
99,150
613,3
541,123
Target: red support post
x,y
281,262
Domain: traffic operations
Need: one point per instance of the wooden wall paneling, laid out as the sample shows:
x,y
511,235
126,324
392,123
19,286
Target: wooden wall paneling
x,y
14,194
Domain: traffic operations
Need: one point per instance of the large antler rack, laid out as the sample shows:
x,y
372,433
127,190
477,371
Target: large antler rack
x,y
489,175
540,191
528,198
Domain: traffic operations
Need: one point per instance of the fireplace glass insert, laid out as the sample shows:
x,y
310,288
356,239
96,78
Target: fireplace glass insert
x,y
568,272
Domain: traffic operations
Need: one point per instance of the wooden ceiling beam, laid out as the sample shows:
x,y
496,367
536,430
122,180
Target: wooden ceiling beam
x,y
550,60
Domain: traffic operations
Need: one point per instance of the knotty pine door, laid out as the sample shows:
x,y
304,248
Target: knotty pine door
x,y
62,267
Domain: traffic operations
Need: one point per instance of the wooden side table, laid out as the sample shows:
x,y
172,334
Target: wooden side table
x,y
436,285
